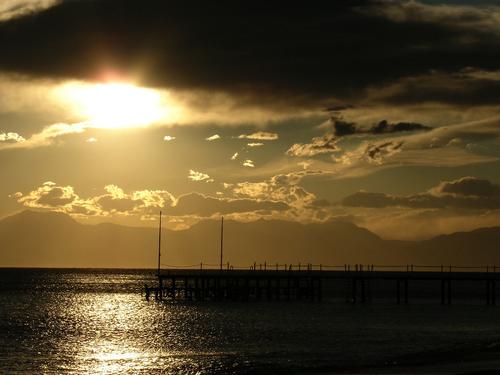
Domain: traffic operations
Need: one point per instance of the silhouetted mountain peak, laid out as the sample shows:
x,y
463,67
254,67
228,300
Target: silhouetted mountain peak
x,y
48,239
45,218
490,232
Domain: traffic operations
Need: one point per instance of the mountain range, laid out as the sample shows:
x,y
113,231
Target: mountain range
x,y
48,239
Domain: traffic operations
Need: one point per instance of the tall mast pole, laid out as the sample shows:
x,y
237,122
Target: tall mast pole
x,y
221,241
159,246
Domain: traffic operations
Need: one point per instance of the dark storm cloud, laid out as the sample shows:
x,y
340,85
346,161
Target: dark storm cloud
x,y
265,51
469,186
461,89
342,128
339,108
384,127
465,193
373,152
379,151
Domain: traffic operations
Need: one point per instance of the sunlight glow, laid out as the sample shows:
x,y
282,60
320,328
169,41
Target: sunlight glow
x,y
116,105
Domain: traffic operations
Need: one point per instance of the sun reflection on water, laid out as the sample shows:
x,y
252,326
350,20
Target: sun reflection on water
x,y
111,330
98,322
111,359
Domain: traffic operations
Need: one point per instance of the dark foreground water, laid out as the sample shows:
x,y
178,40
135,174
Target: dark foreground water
x,y
97,322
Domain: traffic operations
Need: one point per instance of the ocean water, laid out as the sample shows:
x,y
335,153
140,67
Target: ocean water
x,y
98,322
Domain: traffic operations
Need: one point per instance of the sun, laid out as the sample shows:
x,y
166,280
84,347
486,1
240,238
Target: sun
x,y
116,105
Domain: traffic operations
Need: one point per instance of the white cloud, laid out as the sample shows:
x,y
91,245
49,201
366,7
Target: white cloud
x,y
213,137
17,8
255,144
248,163
199,176
319,145
283,187
235,156
260,136
48,134
168,138
57,198
91,140
53,131
114,201
11,137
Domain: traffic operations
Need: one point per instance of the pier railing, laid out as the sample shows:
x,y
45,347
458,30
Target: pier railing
x,y
267,266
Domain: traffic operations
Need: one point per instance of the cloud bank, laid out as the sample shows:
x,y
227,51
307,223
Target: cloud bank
x,y
465,193
301,56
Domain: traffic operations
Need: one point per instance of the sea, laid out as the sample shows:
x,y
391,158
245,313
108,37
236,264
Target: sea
x,y
81,321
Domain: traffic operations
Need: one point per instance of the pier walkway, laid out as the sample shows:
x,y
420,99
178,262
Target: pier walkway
x,y
306,282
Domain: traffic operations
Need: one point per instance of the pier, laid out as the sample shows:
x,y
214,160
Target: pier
x,y
361,283
307,282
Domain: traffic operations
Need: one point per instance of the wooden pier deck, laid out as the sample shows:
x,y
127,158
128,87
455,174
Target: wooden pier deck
x,y
307,282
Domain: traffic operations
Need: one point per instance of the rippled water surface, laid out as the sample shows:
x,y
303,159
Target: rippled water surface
x,y
98,322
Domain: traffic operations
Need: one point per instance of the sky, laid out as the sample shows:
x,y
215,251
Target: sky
x,y
381,113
